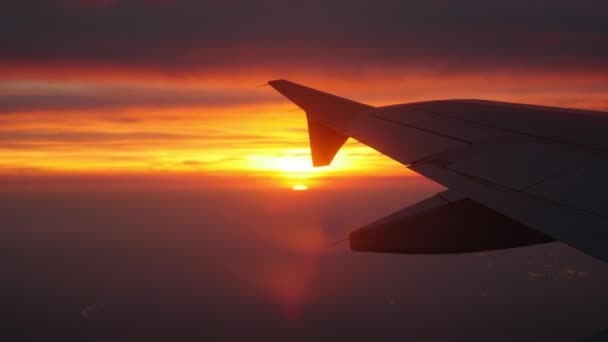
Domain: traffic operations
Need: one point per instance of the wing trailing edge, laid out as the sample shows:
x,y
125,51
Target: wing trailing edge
x,y
324,112
440,226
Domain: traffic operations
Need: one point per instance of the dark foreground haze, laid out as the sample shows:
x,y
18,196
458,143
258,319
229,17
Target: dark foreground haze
x,y
254,265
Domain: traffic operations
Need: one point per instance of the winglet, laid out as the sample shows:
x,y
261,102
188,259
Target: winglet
x,y
324,143
326,115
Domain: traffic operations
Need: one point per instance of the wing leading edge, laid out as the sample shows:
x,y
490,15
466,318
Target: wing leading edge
x,y
523,174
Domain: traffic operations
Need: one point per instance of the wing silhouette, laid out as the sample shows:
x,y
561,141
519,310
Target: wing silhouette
x,y
516,174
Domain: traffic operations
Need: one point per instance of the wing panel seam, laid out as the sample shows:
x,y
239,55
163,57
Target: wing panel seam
x,y
421,129
485,182
540,137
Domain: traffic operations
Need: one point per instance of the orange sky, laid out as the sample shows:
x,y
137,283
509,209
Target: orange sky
x,y
258,140
146,125
160,91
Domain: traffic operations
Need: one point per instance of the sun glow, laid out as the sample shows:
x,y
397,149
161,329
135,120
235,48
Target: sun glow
x,y
293,168
180,142
290,162
297,163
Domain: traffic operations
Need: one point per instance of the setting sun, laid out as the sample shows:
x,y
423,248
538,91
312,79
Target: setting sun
x,y
299,187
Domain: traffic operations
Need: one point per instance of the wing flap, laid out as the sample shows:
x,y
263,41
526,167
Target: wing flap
x,y
439,226
578,228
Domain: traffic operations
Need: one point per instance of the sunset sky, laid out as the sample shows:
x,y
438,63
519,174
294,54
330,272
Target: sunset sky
x,y
104,102
161,89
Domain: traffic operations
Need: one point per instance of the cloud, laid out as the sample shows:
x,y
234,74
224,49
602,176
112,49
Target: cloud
x,y
41,139
54,97
205,37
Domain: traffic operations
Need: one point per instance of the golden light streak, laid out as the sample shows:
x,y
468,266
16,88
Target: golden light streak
x,y
268,139
272,142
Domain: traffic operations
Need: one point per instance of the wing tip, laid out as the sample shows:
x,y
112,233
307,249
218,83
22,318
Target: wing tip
x,y
276,82
327,115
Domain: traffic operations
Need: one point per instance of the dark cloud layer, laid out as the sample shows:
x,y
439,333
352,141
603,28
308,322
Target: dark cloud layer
x,y
190,36
102,98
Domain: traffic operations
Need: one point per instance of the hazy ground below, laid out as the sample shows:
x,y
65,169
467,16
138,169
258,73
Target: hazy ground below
x,y
245,265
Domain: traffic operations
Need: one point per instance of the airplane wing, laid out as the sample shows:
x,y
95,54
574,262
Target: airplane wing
x,y
516,174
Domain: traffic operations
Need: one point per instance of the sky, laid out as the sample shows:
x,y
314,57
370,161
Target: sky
x,y
146,172
105,89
